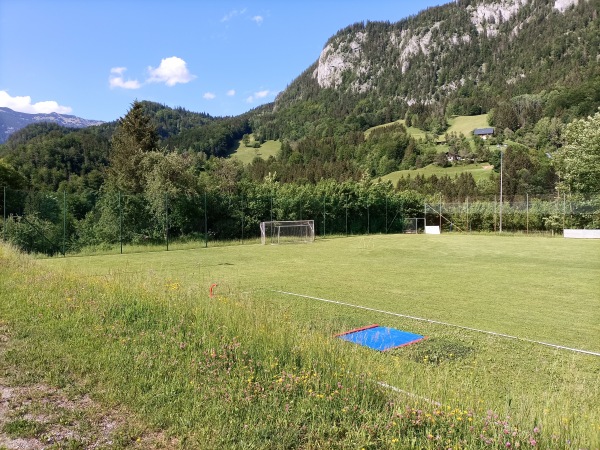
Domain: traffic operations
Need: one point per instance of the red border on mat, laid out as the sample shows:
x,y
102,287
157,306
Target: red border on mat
x,y
358,329
406,343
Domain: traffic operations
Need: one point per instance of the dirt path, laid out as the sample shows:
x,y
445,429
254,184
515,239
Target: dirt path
x,y
37,416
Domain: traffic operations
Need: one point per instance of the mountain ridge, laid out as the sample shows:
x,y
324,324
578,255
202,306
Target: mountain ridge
x,y
11,121
460,58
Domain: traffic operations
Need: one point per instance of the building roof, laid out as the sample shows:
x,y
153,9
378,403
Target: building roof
x,y
483,131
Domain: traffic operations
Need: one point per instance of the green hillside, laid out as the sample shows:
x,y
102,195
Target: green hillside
x,y
412,131
478,171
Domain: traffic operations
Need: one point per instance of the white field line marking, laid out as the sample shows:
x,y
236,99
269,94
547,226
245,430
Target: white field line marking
x,y
408,394
508,336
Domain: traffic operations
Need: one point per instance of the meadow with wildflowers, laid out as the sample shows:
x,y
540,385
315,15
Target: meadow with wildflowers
x,y
249,367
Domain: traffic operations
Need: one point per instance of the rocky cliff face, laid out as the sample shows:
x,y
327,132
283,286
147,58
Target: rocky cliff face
x,y
11,121
345,55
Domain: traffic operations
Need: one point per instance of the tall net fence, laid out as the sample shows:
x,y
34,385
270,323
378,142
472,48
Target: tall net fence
x,y
527,214
61,222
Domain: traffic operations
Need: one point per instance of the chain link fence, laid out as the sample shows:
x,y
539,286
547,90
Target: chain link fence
x,y
55,223
520,214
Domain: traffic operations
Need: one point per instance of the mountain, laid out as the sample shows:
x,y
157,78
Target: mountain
x,y
465,57
532,65
11,121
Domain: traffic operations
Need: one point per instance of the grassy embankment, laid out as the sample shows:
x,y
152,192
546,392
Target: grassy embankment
x,y
256,368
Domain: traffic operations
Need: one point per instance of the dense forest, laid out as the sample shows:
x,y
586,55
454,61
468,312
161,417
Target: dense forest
x,y
465,58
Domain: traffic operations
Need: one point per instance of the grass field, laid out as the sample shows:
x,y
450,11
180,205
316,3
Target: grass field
x,y
247,154
489,389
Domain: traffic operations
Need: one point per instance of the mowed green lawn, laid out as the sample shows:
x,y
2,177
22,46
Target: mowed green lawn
x,y
544,289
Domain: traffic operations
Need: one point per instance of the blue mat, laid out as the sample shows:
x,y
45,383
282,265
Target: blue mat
x,y
380,338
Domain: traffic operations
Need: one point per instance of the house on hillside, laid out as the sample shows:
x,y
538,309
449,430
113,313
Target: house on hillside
x,y
483,133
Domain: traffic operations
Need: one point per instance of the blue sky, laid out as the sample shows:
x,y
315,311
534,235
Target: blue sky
x,y
93,58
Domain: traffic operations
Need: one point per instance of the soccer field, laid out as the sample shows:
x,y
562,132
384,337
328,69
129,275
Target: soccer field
x,y
530,287
512,322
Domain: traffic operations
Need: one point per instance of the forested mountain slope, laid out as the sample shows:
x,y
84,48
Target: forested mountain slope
x,y
461,58
533,65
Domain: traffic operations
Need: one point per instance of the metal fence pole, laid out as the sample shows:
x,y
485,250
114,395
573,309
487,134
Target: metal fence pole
x,y
468,227
368,218
347,200
120,223
242,208
495,199
324,198
386,214
167,219
64,222
440,212
527,215
4,222
205,223
564,209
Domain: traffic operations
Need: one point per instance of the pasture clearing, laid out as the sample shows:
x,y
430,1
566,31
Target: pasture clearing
x,y
465,125
536,288
416,133
479,171
247,154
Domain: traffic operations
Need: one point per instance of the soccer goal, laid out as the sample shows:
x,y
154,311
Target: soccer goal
x,y
413,225
287,231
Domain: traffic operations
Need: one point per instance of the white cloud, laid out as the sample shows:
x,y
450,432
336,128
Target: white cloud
x,y
171,71
257,19
209,96
259,95
231,92
116,80
23,104
231,14
262,94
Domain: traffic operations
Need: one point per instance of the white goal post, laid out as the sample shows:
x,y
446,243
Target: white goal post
x,y
287,231
413,225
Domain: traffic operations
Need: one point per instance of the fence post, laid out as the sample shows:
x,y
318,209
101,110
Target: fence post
x,y
564,209
495,199
468,227
205,223
120,223
167,219
324,199
527,215
440,212
242,208
368,217
386,214
64,222
4,222
347,200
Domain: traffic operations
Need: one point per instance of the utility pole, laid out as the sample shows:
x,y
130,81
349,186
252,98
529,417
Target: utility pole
x,y
500,147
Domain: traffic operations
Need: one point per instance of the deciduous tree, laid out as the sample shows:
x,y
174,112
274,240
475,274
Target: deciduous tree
x,y
578,162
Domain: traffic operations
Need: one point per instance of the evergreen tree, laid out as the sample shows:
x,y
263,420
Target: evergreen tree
x,y
134,136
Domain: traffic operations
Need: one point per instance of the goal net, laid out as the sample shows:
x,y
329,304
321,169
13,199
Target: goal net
x,y
287,231
413,225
